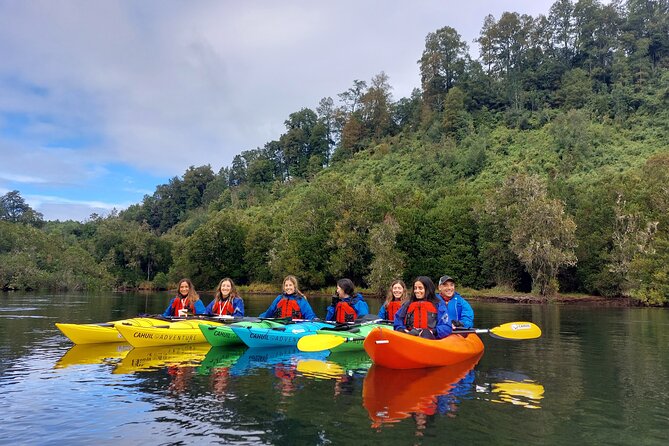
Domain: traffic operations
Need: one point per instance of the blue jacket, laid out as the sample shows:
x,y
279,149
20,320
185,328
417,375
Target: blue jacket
x,y
357,302
199,308
305,308
237,307
460,310
443,327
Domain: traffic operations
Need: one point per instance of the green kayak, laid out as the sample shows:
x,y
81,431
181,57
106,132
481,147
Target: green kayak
x,y
222,335
353,337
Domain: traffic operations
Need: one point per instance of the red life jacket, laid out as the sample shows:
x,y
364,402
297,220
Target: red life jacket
x,y
344,312
223,307
182,303
421,314
392,307
288,308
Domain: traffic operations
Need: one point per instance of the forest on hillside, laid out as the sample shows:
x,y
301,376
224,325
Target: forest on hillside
x,y
542,165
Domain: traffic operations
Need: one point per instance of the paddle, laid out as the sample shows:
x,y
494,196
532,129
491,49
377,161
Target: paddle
x,y
517,331
323,341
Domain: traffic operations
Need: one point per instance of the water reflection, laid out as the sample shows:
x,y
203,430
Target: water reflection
x,y
525,393
93,354
155,358
391,395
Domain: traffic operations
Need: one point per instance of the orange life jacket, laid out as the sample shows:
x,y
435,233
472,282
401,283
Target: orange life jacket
x,y
421,314
182,303
223,307
344,312
392,307
288,308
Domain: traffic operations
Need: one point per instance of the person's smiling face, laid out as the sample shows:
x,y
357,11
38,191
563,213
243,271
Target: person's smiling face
x,y
419,290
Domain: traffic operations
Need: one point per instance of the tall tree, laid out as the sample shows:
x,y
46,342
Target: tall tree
x,y
443,62
13,208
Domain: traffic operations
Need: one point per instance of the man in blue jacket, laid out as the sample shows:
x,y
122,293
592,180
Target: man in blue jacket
x,y
460,313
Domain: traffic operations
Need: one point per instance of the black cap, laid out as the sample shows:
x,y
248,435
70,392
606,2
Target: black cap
x,y
444,279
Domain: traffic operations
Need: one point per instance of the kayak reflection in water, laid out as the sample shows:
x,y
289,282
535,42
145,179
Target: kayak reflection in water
x,y
425,314
390,395
291,303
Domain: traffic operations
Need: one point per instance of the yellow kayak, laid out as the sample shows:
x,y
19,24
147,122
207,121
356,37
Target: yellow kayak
x,y
175,333
105,332
155,358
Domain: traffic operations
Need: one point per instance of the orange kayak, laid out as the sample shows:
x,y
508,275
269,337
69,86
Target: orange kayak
x,y
390,395
397,350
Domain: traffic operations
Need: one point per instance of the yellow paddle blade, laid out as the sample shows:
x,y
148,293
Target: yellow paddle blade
x,y
319,342
516,330
320,369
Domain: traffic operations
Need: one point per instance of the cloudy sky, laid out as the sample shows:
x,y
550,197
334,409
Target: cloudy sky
x,y
100,101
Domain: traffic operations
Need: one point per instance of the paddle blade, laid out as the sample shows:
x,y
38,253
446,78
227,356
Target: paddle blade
x,y
319,342
516,330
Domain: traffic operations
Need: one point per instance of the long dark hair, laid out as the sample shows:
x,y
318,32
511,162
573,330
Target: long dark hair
x,y
233,290
347,286
430,293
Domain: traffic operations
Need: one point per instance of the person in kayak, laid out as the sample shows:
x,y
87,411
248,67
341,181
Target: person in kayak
x,y
186,301
227,301
460,313
347,305
291,303
424,315
397,295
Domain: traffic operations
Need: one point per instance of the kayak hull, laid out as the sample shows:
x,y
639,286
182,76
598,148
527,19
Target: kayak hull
x,y
222,335
102,333
397,350
174,333
283,336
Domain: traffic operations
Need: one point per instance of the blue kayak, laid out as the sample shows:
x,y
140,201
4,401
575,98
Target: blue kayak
x,y
285,336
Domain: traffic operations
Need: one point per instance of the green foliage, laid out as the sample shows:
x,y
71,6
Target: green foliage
x,y
215,250
387,263
13,208
32,259
550,149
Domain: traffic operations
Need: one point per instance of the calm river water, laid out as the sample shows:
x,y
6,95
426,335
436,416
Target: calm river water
x,y
596,376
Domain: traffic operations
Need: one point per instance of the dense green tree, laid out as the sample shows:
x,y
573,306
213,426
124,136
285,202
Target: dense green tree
x,y
13,208
442,64
387,263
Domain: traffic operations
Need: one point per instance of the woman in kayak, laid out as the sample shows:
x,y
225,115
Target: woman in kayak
x,y
397,295
347,305
424,314
291,303
227,301
186,301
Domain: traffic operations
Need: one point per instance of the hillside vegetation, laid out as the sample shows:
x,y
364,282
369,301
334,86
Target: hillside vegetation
x,y
543,165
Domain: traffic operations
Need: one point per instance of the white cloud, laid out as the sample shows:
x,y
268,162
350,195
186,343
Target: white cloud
x,y
162,85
